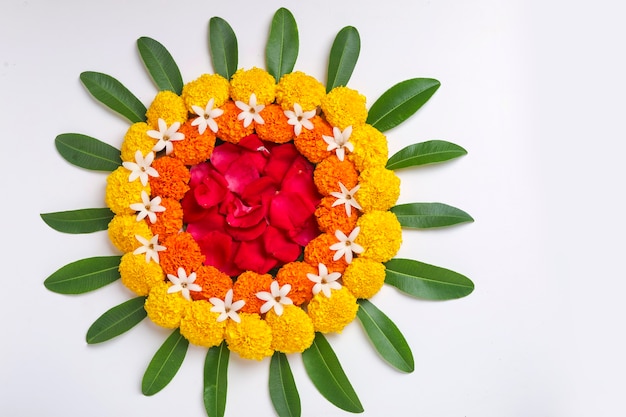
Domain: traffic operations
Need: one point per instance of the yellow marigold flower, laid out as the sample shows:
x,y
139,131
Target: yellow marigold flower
x,y
370,147
230,128
138,275
334,313
344,107
331,171
275,129
255,80
380,235
310,143
200,326
247,285
292,331
135,139
206,87
380,189
298,87
165,310
251,338
168,106
364,277
120,193
295,274
122,231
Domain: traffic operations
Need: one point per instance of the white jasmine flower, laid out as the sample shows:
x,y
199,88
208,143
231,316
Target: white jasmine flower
x,y
165,136
346,197
206,117
299,119
227,308
324,281
339,142
183,283
141,168
148,207
346,246
250,111
275,299
150,247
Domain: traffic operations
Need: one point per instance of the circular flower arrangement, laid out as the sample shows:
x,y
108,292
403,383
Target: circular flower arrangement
x,y
256,210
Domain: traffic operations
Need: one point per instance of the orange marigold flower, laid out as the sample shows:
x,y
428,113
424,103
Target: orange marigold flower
x,y
165,310
380,189
318,252
298,87
331,171
370,147
292,331
168,106
230,129
196,147
364,277
170,221
251,338
380,235
200,326
122,230
344,107
247,285
214,283
310,142
138,275
136,138
294,274
181,251
275,129
330,219
255,81
172,180
206,87
334,313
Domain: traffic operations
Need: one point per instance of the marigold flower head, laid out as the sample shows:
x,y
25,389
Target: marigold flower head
x,y
230,128
247,285
200,326
256,81
380,189
168,106
295,274
173,178
138,275
331,218
275,129
334,313
136,138
318,252
181,251
292,331
380,236
344,107
208,86
370,147
195,148
298,87
122,230
170,221
165,310
214,283
331,171
364,277
310,143
120,193
251,338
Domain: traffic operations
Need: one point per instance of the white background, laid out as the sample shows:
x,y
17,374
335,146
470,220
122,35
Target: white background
x,y
533,90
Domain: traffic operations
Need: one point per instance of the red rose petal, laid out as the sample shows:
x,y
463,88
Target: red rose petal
x,y
280,246
251,256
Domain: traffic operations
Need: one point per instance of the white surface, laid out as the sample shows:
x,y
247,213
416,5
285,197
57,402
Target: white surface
x,y
533,90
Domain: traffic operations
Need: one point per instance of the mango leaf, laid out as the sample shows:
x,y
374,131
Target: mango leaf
x,y
327,375
423,153
343,56
114,95
282,47
400,102
85,275
385,337
223,46
283,391
87,152
428,215
216,380
117,320
426,281
160,65
79,221
165,363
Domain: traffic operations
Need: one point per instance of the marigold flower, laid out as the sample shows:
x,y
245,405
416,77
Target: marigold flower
x,y
380,189
120,193
380,236
168,106
275,129
247,285
364,277
165,310
331,171
295,274
344,107
182,251
170,221
318,252
251,338
298,87
230,128
136,138
292,331
310,143
200,326
196,147
332,314
122,231
256,81
208,86
172,180
214,283
138,275
332,217
370,147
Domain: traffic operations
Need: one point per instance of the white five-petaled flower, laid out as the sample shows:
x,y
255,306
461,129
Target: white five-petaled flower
x,y
141,168
346,246
183,283
346,197
339,142
250,111
276,298
299,119
226,307
206,117
148,207
165,136
150,247
324,281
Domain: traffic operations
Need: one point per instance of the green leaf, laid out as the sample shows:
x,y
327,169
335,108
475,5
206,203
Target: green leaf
x,y
427,281
216,380
283,391
117,320
385,336
282,47
428,215
223,45
114,95
343,56
85,275
165,363
423,153
87,152
160,65
400,102
325,371
79,221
